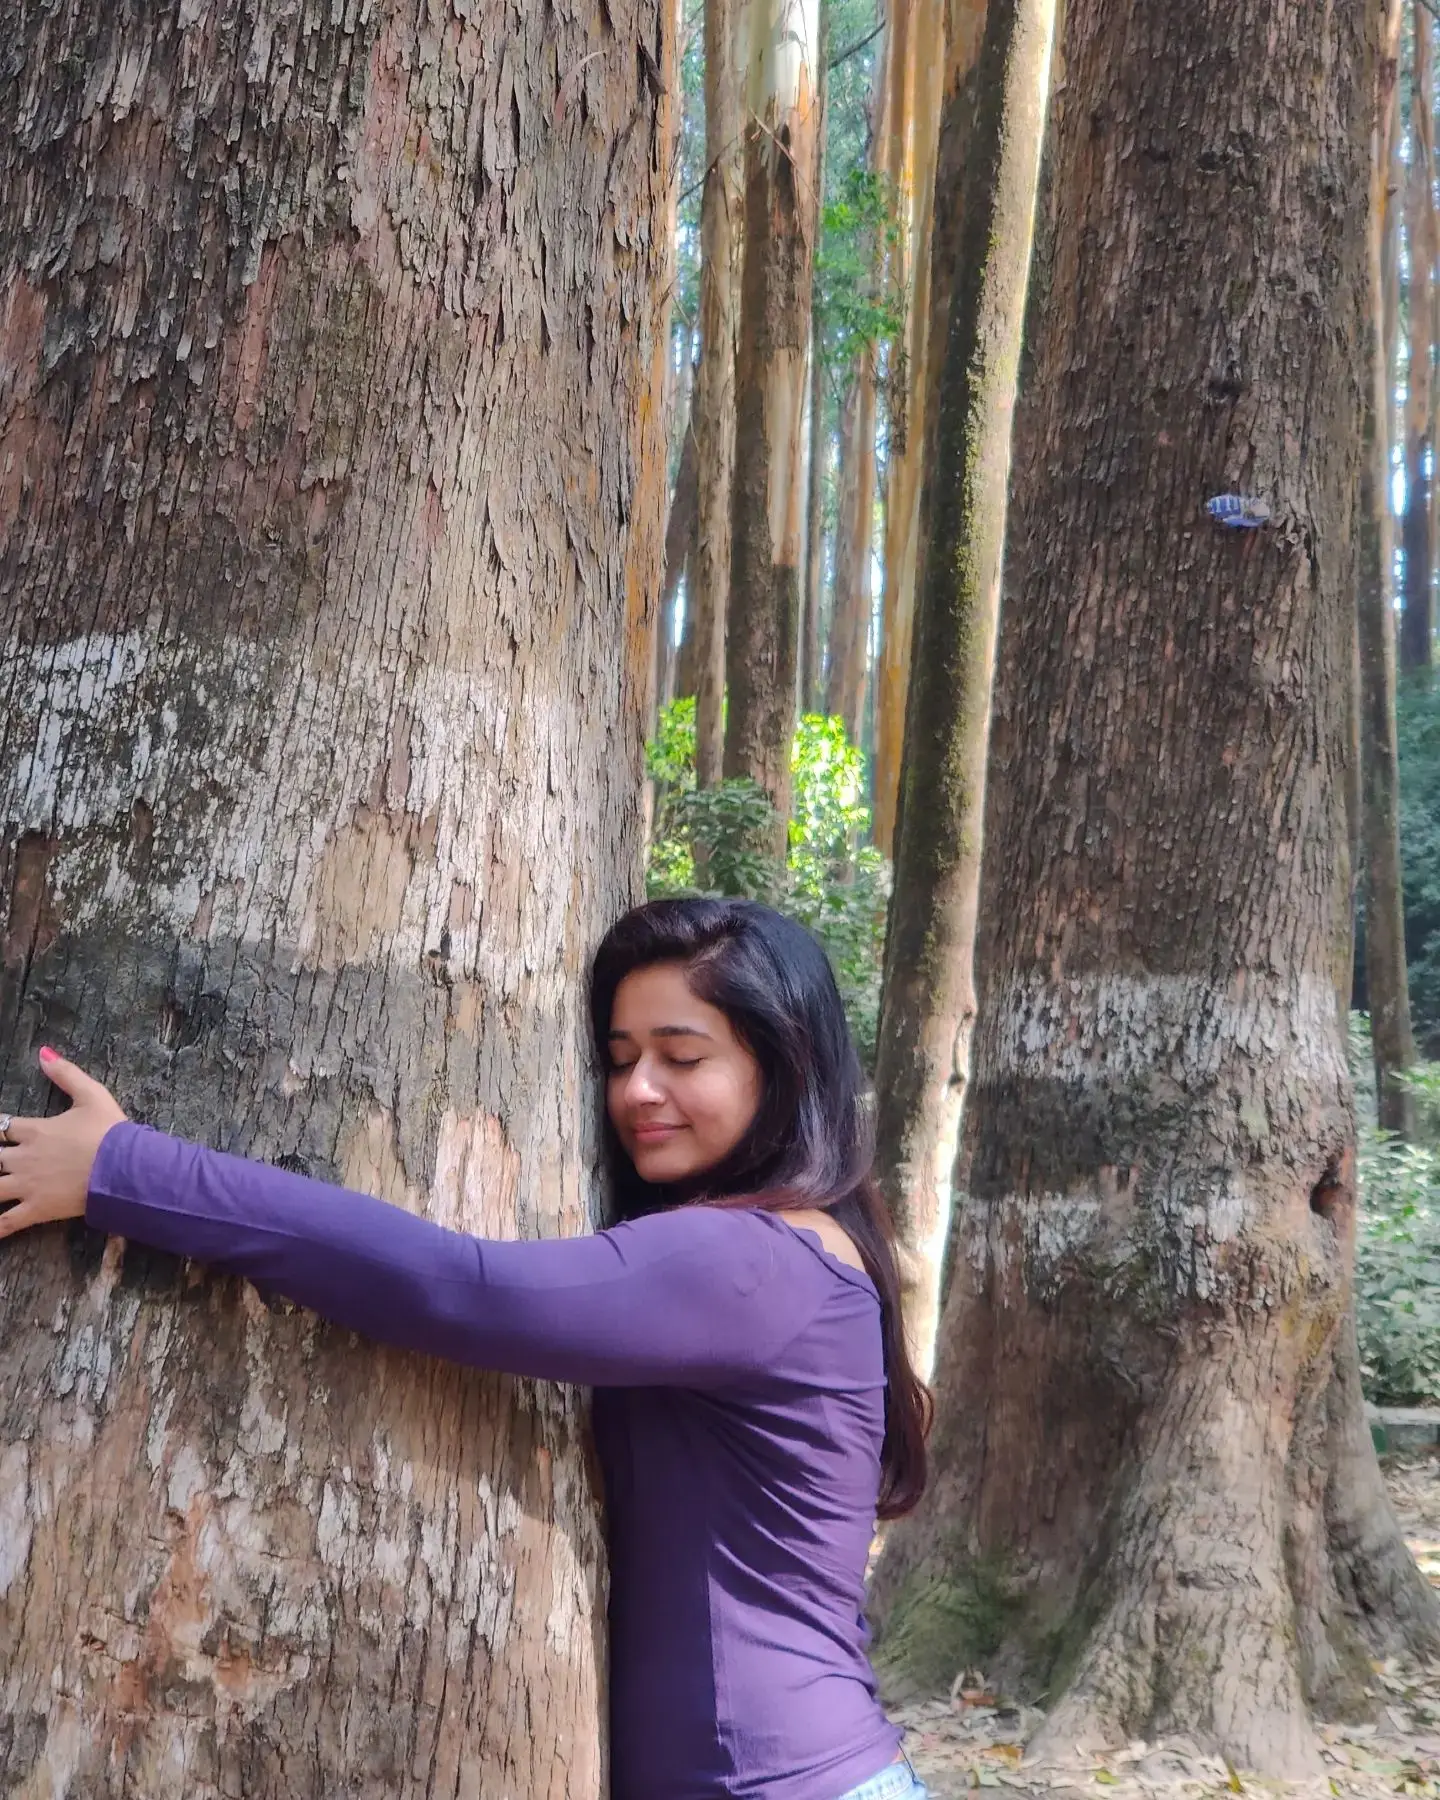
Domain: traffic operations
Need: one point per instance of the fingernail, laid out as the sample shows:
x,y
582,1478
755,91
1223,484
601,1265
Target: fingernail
x,y
47,1054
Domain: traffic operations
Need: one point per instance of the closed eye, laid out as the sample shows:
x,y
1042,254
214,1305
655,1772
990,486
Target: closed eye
x,y
675,1062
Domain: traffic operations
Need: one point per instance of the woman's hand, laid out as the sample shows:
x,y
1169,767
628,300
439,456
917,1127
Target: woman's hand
x,y
45,1163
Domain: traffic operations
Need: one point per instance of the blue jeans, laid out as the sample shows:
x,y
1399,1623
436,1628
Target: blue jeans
x,y
897,1782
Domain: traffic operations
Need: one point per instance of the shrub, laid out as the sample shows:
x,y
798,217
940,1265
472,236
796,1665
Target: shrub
x,y
1417,717
704,841
1397,1254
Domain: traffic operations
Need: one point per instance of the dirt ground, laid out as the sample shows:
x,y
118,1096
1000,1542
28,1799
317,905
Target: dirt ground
x,y
968,1741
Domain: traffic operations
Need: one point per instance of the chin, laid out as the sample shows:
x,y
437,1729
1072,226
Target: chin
x,y
662,1165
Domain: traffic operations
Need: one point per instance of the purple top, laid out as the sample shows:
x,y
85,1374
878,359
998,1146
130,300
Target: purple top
x,y
738,1421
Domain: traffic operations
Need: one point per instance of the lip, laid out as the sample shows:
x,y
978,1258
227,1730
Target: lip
x,y
652,1134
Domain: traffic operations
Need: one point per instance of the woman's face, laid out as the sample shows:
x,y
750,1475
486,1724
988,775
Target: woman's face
x,y
681,1088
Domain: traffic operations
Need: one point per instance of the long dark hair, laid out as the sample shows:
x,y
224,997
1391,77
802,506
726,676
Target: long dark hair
x,y
810,1142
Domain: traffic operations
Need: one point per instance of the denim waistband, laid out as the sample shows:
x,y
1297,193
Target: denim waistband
x,y
897,1781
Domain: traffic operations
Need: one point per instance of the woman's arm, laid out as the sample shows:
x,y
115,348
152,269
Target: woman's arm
x,y
695,1297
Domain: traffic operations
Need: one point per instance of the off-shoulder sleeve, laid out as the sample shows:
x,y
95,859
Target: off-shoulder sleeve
x,y
695,1297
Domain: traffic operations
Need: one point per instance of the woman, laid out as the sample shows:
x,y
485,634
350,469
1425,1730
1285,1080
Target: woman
x,y
755,1408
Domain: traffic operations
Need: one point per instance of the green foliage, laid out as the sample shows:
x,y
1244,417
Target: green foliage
x,y
850,85
1417,716
705,841
1397,1255
855,304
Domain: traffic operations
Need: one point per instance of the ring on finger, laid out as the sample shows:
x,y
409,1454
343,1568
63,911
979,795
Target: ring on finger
x,y
4,1128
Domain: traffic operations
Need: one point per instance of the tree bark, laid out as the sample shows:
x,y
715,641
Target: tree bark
x,y
329,533
1417,618
726,25
1386,980
993,130
1152,1496
850,616
768,507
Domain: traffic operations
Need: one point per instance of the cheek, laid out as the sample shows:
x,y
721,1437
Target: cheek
x,y
731,1102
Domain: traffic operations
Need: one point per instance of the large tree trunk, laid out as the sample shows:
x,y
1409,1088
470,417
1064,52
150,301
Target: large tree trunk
x,y
1386,980
726,22
768,510
1417,618
993,129
331,519
1152,1495
855,515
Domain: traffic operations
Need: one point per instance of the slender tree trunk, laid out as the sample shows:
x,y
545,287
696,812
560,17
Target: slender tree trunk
x,y
329,534
910,396
682,664
850,620
1152,1493
726,29
679,371
1390,283
768,512
887,695
1385,972
847,679
1417,619
822,457
994,126
818,438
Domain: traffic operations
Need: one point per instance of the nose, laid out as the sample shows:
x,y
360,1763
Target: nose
x,y
641,1087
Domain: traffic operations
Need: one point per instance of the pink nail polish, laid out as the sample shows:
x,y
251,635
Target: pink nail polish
x,y
47,1054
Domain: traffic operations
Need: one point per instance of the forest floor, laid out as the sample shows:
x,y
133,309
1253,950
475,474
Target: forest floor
x,y
971,1741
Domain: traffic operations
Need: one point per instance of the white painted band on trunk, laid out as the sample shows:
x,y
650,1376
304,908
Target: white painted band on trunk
x,y
1117,1027
277,765
1044,1232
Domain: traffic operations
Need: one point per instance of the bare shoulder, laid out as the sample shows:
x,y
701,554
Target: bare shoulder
x,y
837,1241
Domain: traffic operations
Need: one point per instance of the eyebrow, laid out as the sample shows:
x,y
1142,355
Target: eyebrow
x,y
666,1031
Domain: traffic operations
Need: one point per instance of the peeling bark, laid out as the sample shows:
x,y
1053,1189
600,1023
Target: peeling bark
x,y
329,535
993,130
768,501
1153,1497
